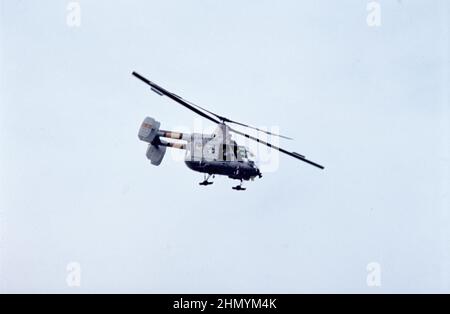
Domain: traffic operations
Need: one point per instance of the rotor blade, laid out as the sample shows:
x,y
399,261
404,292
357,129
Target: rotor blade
x,y
292,154
161,91
259,130
224,119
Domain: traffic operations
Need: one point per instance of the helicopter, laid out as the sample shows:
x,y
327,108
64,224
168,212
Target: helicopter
x,y
211,154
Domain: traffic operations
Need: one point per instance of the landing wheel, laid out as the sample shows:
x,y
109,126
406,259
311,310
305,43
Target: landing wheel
x,y
239,187
205,182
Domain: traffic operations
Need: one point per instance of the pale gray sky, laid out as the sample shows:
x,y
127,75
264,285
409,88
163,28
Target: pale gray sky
x,y
370,103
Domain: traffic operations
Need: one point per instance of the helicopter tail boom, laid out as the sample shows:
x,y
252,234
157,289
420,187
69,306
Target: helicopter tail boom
x,y
150,132
174,135
173,145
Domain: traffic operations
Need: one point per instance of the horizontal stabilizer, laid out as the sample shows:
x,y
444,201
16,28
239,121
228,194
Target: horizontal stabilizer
x,y
149,130
156,154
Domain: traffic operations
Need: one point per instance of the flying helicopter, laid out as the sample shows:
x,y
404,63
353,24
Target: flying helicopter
x,y
211,154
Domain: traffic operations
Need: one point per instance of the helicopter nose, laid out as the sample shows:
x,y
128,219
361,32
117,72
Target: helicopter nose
x,y
256,173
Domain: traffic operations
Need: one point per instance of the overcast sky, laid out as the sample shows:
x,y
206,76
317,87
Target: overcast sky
x,y
369,103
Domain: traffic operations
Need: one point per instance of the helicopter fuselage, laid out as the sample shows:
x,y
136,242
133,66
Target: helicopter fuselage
x,y
212,154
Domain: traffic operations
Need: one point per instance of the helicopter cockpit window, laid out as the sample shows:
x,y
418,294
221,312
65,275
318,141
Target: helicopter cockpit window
x,y
241,153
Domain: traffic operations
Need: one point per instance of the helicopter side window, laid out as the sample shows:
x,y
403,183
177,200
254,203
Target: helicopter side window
x,y
241,154
227,152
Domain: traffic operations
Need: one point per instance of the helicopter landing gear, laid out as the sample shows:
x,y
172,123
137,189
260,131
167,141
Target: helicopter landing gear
x,y
206,182
239,187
